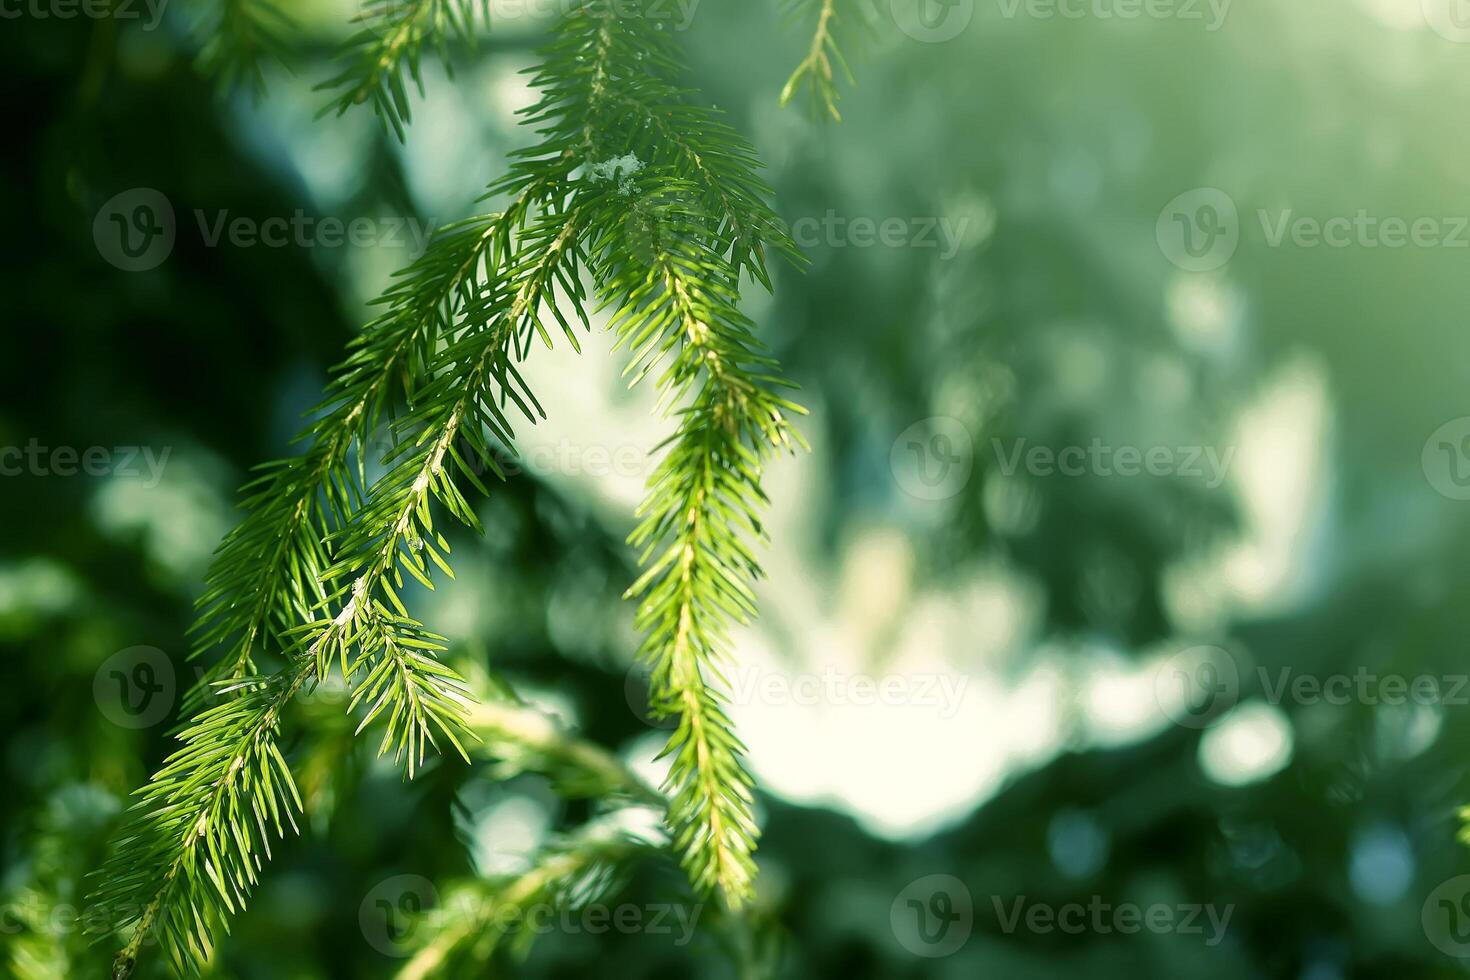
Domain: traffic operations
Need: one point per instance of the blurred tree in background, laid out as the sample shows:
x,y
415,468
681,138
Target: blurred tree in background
x,y
1233,234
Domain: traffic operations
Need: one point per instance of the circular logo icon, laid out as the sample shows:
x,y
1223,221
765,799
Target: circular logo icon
x,y
932,458
135,229
1199,230
134,688
392,910
1446,459
1446,917
933,916
637,689
1197,685
1450,19
932,21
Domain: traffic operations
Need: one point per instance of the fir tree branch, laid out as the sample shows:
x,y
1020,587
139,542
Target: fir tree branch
x,y
191,848
723,175
680,307
472,381
389,45
242,36
230,750
610,93
266,575
318,565
672,236
522,739
816,68
479,917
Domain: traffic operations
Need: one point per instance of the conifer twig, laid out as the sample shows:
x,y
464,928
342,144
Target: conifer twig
x,y
389,45
480,916
660,201
816,68
522,739
240,37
